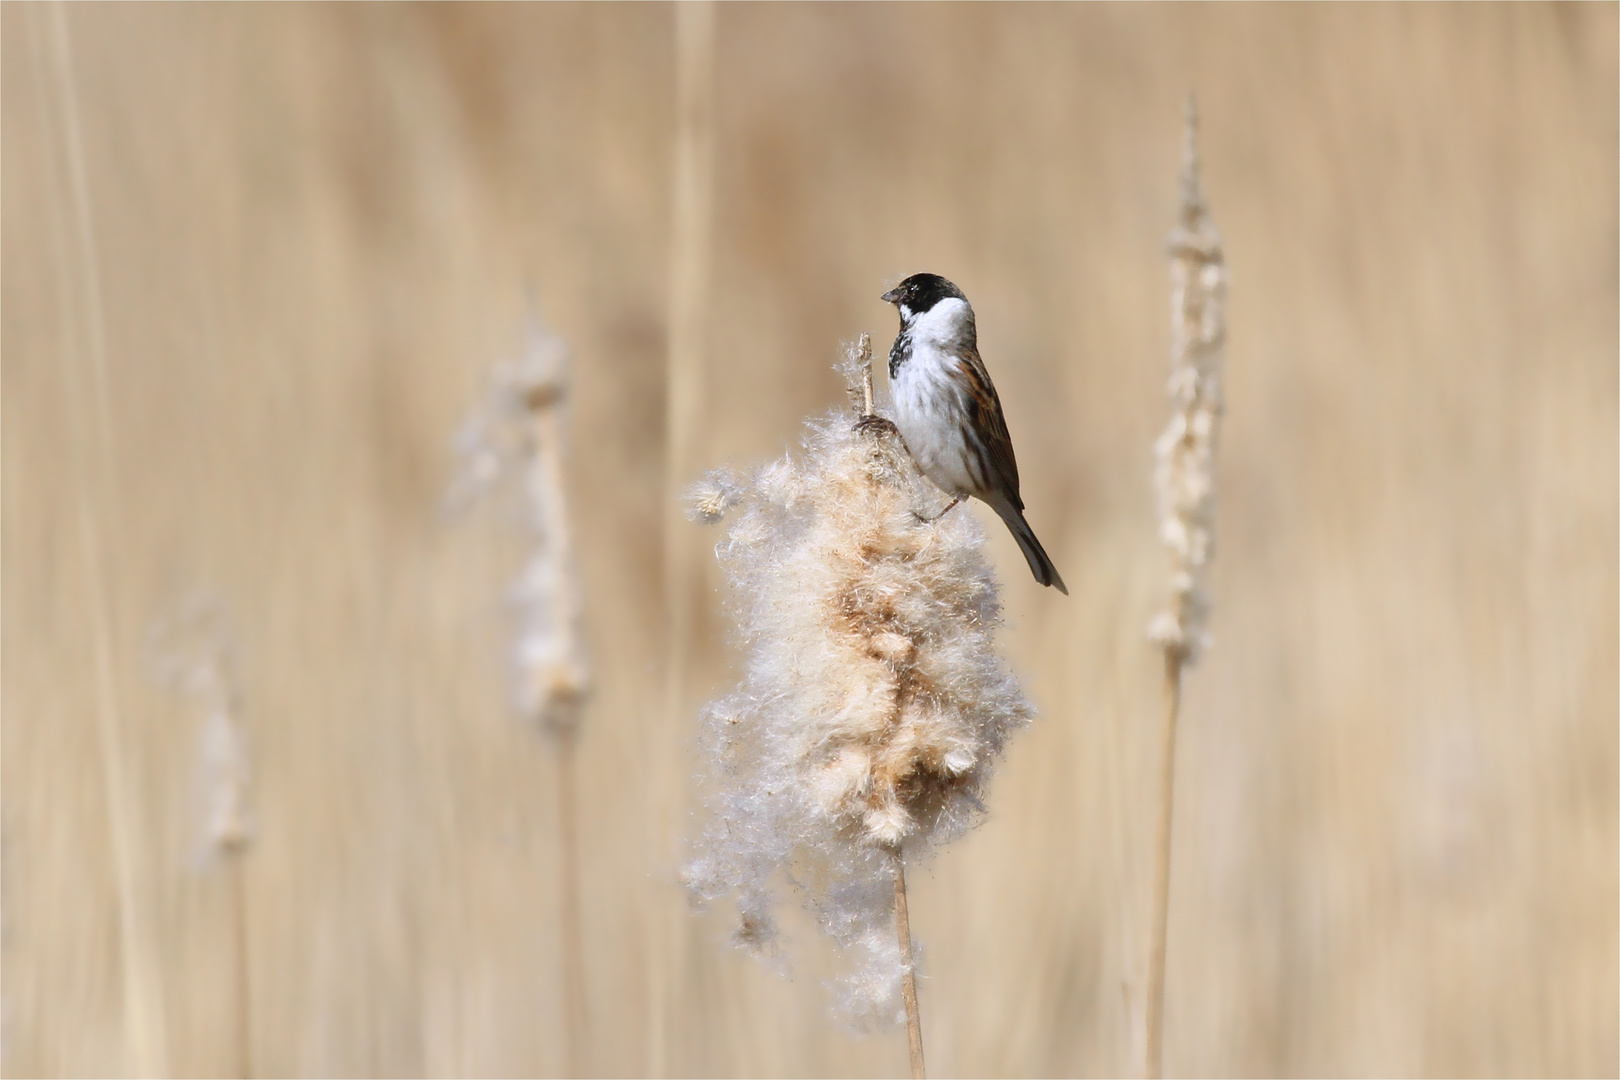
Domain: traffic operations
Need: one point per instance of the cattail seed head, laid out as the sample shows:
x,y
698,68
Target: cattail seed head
x,y
872,705
192,651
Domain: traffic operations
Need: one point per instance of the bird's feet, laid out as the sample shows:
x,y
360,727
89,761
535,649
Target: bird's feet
x,y
879,426
930,520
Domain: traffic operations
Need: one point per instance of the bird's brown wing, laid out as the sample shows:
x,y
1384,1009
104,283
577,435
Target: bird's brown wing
x,y
989,441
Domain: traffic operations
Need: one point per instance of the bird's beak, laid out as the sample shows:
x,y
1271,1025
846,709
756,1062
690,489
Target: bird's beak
x,y
891,297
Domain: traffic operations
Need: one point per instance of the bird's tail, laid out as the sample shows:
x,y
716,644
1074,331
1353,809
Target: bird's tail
x,y
1039,564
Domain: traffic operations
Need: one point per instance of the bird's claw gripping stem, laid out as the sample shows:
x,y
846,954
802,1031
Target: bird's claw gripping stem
x,y
930,520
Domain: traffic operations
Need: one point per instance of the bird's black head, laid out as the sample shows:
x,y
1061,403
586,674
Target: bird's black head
x,y
920,292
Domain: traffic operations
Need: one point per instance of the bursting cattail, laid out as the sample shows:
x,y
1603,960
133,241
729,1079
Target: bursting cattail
x,y
518,430
872,705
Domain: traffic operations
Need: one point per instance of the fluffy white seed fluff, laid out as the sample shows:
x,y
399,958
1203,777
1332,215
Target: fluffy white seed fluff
x,y
872,704
1184,476
518,431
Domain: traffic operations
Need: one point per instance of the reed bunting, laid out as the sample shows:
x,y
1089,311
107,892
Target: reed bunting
x,y
947,410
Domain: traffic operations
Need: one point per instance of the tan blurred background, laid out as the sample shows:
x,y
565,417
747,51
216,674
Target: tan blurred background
x,y
294,237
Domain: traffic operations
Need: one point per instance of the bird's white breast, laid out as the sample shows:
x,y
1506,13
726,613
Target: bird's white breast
x,y
930,404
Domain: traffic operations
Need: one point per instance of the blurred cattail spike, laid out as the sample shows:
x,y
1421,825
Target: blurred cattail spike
x,y
1184,479
192,652
519,430
873,704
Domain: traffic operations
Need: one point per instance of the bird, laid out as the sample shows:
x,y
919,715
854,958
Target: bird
x,y
948,413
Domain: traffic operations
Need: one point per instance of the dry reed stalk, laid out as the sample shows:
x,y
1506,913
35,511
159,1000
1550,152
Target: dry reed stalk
x,y
99,513
873,705
520,430
1185,482
691,248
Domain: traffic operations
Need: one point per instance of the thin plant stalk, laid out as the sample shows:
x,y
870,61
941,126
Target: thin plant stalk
x,y
244,991
1161,867
908,984
685,393
145,1025
569,925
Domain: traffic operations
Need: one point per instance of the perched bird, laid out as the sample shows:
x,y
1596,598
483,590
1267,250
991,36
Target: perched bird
x,y
947,410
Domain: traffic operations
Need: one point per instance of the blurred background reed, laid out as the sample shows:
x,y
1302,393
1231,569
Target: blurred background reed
x,y
257,260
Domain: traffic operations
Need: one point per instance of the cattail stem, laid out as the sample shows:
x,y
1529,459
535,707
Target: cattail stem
x,y
244,991
573,957
1154,1066
866,374
908,984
